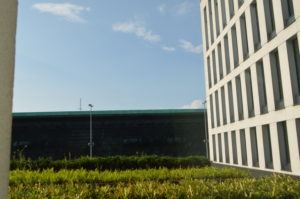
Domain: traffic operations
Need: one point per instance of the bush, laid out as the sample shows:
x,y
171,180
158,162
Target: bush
x,y
112,163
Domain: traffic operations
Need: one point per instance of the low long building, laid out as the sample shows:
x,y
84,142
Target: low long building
x,y
66,134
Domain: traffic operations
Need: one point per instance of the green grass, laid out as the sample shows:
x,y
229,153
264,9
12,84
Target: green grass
x,y
165,183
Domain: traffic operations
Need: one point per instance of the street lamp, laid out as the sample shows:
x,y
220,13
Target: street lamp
x,y
91,131
205,127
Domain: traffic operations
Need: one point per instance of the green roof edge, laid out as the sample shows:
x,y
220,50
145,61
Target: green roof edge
x,y
107,112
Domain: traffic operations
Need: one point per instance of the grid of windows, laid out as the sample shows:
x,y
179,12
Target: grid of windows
x,y
265,85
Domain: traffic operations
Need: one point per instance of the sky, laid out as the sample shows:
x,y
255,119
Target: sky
x,y
114,54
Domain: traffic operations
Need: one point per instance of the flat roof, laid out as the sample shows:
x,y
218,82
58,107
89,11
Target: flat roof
x,y
108,112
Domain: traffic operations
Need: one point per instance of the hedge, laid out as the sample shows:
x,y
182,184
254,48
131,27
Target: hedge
x,y
112,163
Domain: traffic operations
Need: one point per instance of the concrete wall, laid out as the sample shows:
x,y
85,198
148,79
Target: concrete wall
x,y
289,113
8,18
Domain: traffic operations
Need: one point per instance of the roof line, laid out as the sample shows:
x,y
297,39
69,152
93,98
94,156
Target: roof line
x,y
108,112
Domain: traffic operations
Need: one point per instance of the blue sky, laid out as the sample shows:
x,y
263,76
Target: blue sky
x,y
115,54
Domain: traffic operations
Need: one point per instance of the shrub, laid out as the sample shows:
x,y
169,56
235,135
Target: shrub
x,y
112,163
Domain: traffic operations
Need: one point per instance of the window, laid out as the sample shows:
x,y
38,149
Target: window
x,y
276,80
254,148
212,112
270,22
211,23
217,17
223,10
243,147
226,48
234,148
244,37
208,72
294,62
284,146
261,87
249,91
288,11
226,147
220,148
231,8
214,148
214,66
267,147
241,2
239,97
235,46
298,133
206,28
255,26
220,61
230,100
223,105
217,108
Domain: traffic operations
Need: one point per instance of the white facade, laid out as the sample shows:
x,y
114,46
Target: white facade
x,y
252,70
8,18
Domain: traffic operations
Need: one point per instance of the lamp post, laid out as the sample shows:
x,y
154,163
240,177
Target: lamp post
x,y
205,128
91,131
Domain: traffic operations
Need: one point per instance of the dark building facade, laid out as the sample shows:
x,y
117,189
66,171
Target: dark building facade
x,y
66,134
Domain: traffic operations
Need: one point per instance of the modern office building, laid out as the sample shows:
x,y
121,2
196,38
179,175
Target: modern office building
x,y
252,70
178,132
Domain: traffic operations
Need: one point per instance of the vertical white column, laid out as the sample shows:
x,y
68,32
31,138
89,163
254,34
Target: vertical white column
x,y
260,147
239,41
248,145
255,90
249,31
227,103
262,22
223,147
230,148
8,19
214,18
285,75
269,83
217,146
230,50
235,103
275,147
238,147
211,152
244,95
293,146
204,36
279,22
296,8
220,107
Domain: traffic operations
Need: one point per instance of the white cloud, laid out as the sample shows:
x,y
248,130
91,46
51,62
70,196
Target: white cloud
x,y
184,7
194,105
70,12
161,8
189,47
167,48
138,29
